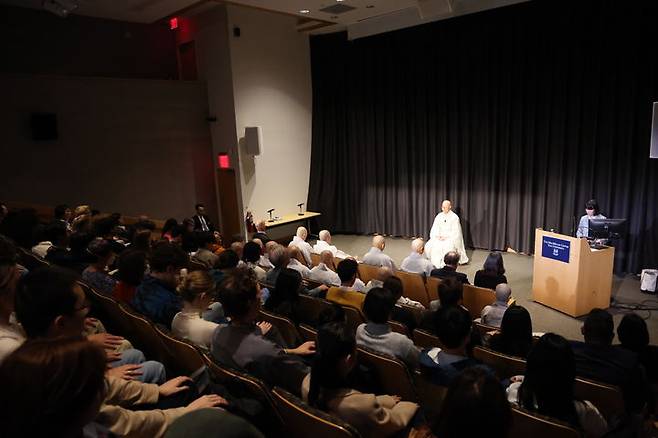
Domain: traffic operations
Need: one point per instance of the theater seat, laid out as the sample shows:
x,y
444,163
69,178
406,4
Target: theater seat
x,y
529,424
390,373
285,326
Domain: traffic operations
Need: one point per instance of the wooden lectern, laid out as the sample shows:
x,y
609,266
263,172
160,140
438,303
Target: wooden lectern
x,y
569,276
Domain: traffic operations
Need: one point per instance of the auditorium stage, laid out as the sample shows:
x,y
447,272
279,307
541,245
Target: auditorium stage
x,y
519,275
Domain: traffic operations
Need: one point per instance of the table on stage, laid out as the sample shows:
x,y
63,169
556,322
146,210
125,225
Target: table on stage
x,y
286,225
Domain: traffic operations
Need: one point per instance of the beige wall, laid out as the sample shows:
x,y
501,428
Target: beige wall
x,y
271,69
128,145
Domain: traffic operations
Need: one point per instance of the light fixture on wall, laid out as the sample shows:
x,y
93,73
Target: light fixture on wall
x,y
61,8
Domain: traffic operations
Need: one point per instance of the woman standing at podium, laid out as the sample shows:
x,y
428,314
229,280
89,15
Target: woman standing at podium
x,y
592,212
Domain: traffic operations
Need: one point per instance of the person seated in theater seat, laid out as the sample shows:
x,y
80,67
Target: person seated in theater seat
x,y
58,253
95,275
515,335
132,266
279,257
400,313
300,242
52,231
599,360
547,387
255,348
493,314
212,423
50,303
78,257
376,257
345,294
451,293
451,260
327,388
377,335
197,290
204,255
458,418
416,262
324,244
492,273
261,232
634,336
11,333
238,247
167,229
297,261
453,328
284,297
383,273
325,271
251,256
263,261
201,221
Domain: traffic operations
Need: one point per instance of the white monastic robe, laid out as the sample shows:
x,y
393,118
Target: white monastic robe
x,y
304,247
447,226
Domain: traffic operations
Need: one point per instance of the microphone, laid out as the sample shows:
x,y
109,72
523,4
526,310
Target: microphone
x,y
300,209
270,213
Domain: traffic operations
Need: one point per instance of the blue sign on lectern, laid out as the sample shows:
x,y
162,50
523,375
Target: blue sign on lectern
x,y
556,249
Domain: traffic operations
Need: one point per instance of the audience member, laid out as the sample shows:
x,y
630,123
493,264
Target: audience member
x,y
416,262
279,257
634,336
493,314
297,262
218,244
451,293
197,291
327,388
383,273
156,296
51,232
238,247
50,303
251,256
4,211
453,328
242,345
492,273
284,298
63,213
52,387
598,359
11,333
548,387
204,255
515,335
261,232
167,229
324,244
264,261
325,271
474,406
58,253
201,221
300,242
345,294
376,334
20,226
132,266
212,423
79,256
142,241
400,313
96,273
451,260
376,257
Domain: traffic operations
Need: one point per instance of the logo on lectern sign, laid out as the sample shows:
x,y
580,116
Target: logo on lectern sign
x,y
556,249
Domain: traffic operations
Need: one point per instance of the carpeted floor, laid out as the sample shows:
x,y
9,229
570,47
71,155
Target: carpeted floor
x,y
519,275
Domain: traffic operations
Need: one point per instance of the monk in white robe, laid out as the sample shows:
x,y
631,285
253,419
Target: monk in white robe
x,y
445,235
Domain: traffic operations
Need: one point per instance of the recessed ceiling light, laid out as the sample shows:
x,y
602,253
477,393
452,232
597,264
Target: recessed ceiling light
x,y
304,11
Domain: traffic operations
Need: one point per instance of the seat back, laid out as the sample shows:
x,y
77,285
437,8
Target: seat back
x,y
315,259
414,287
608,399
307,333
417,312
391,373
354,317
476,298
285,326
367,272
196,265
505,366
144,336
527,424
303,421
431,286
310,308
425,339
430,394
185,358
398,327
107,310
29,260
484,329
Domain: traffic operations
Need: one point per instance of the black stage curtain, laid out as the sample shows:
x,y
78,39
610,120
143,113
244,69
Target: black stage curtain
x,y
518,115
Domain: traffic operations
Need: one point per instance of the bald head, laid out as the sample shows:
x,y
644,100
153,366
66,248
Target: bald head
x,y
451,258
327,257
379,242
261,225
384,273
237,247
446,206
503,292
325,236
259,242
302,233
418,245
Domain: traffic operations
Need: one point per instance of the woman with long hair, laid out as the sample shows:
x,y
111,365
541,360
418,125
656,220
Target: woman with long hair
x,y
284,298
492,272
515,335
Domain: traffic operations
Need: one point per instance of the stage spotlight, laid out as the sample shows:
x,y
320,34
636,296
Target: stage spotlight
x,y
61,8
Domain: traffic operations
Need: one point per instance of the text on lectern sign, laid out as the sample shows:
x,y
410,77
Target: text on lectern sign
x,y
556,249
